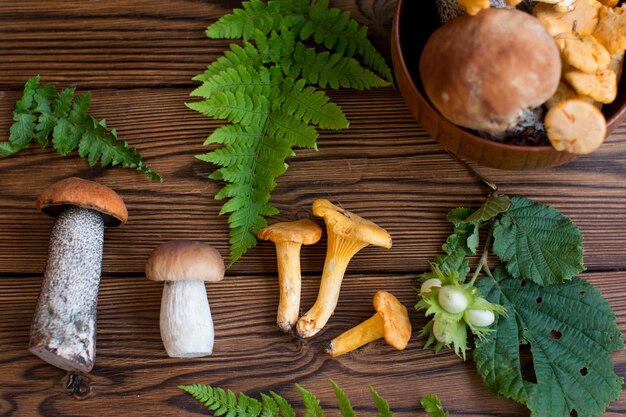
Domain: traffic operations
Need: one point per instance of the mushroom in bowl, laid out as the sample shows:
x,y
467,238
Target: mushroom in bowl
x,y
413,25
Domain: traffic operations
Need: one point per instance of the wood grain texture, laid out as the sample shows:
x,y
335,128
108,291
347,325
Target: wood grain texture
x,y
138,58
251,354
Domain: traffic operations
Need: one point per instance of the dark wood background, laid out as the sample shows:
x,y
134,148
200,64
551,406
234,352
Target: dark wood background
x,y
138,57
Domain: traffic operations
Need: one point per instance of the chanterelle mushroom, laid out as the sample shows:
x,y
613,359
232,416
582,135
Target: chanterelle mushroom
x,y
347,234
575,126
289,238
63,330
186,323
391,321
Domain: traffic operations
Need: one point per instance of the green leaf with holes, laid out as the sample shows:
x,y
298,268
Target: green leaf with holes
x,y
571,331
538,243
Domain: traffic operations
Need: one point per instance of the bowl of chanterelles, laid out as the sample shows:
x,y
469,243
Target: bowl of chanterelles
x,y
513,84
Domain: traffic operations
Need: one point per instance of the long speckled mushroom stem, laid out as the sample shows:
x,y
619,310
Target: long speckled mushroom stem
x,y
63,330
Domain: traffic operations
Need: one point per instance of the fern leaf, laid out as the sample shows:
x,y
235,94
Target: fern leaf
x,y
246,56
336,30
235,107
311,106
237,79
232,134
41,113
286,128
381,404
242,23
270,407
265,89
312,407
332,70
285,408
345,408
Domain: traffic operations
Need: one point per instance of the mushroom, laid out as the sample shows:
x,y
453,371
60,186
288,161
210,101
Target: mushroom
x,y
583,52
63,330
186,323
582,19
484,72
347,234
611,29
600,86
289,238
391,321
575,126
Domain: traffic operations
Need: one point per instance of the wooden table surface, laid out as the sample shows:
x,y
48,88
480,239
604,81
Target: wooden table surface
x,y
137,58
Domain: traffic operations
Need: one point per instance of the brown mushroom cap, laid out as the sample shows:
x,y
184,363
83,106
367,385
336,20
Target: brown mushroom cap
x,y
85,194
397,325
185,260
482,72
303,231
347,224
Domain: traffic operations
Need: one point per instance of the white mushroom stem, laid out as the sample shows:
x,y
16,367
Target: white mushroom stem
x,y
339,253
63,331
186,323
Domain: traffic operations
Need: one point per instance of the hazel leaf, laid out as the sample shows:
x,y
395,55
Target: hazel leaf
x,y
538,243
493,206
572,332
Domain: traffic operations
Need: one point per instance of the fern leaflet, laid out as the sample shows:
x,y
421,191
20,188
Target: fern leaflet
x,y
266,89
225,403
42,113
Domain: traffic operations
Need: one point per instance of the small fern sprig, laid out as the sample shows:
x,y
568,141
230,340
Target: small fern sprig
x,y
42,113
266,89
225,403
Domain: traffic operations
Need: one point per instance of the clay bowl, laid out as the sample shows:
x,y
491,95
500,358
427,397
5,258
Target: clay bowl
x,y
413,23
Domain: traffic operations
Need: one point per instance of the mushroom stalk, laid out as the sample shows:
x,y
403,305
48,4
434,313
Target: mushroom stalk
x,y
339,253
63,331
290,282
186,323
370,330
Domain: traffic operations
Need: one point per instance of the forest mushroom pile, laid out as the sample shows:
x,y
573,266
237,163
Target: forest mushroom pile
x,y
537,75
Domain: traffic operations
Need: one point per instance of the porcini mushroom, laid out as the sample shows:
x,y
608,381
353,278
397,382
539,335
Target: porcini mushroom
x,y
391,322
63,330
347,234
485,72
289,238
186,323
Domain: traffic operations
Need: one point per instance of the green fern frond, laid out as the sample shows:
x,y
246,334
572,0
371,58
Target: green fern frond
x,y
338,31
245,109
286,410
312,407
236,79
266,90
345,408
224,403
332,70
311,106
246,56
242,23
381,404
42,113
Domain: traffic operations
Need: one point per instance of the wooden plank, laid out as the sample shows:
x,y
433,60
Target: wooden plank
x,y
383,167
250,353
125,44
